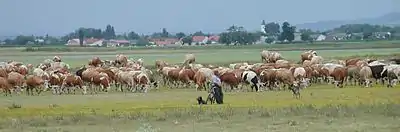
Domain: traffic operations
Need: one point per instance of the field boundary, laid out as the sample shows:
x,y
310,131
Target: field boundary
x,y
154,51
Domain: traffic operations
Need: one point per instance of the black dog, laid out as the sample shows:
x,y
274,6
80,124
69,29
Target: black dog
x,y
200,100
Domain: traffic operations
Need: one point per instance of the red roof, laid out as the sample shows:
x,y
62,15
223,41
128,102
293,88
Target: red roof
x,y
198,38
214,38
119,41
91,40
164,41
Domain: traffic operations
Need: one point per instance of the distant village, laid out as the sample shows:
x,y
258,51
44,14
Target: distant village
x,y
205,39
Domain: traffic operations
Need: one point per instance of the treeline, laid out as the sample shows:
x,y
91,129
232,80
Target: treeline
x,y
236,35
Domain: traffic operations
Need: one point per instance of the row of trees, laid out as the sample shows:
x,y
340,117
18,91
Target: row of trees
x,y
233,35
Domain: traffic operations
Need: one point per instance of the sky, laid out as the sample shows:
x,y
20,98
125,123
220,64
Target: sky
x,y
59,17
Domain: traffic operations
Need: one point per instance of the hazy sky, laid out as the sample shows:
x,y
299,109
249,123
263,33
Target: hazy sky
x,y
58,17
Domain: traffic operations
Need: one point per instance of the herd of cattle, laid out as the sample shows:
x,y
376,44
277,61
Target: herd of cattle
x,y
131,75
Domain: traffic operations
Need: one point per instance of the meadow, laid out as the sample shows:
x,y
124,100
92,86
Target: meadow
x,y
321,108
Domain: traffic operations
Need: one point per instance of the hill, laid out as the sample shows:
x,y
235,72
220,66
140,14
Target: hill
x,y
390,19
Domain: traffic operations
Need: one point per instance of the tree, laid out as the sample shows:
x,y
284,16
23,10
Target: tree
x,y
199,33
109,33
238,35
164,33
81,37
305,36
23,40
180,35
361,28
8,41
142,42
272,28
133,36
187,40
122,36
367,35
269,40
287,32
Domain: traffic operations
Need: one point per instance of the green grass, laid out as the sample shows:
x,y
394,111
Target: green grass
x,y
321,108
366,108
176,56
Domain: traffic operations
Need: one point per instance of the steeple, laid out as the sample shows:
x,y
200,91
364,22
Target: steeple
x,y
263,27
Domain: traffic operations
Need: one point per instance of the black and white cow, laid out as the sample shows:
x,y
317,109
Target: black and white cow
x,y
250,77
379,72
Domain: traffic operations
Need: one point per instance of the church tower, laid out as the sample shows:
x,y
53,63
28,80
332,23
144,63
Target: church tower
x,y
263,27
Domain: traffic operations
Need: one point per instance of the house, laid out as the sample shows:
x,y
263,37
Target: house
x,y
199,40
86,42
74,42
39,41
204,39
337,36
320,37
214,39
164,41
98,43
381,35
118,43
297,37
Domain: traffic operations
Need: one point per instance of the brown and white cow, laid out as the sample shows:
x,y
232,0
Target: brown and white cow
x,y
339,75
16,80
5,86
73,81
35,82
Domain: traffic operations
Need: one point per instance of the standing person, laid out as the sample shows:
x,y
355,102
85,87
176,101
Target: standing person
x,y
217,90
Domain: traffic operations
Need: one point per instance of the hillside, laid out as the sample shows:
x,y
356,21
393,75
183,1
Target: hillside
x,y
387,19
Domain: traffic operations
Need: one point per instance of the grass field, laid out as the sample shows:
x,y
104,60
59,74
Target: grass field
x,y
177,56
321,108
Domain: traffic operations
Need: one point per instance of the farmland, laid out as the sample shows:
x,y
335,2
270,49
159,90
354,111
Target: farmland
x,y
220,56
321,108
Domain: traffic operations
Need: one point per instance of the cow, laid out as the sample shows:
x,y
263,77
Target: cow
x,y
378,72
229,78
365,76
189,59
55,81
307,55
142,80
395,60
250,77
95,61
101,79
121,60
127,78
353,61
160,64
5,86
306,63
74,81
339,75
201,77
353,73
57,59
268,76
270,56
285,77
393,74
16,80
316,60
35,82
3,73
